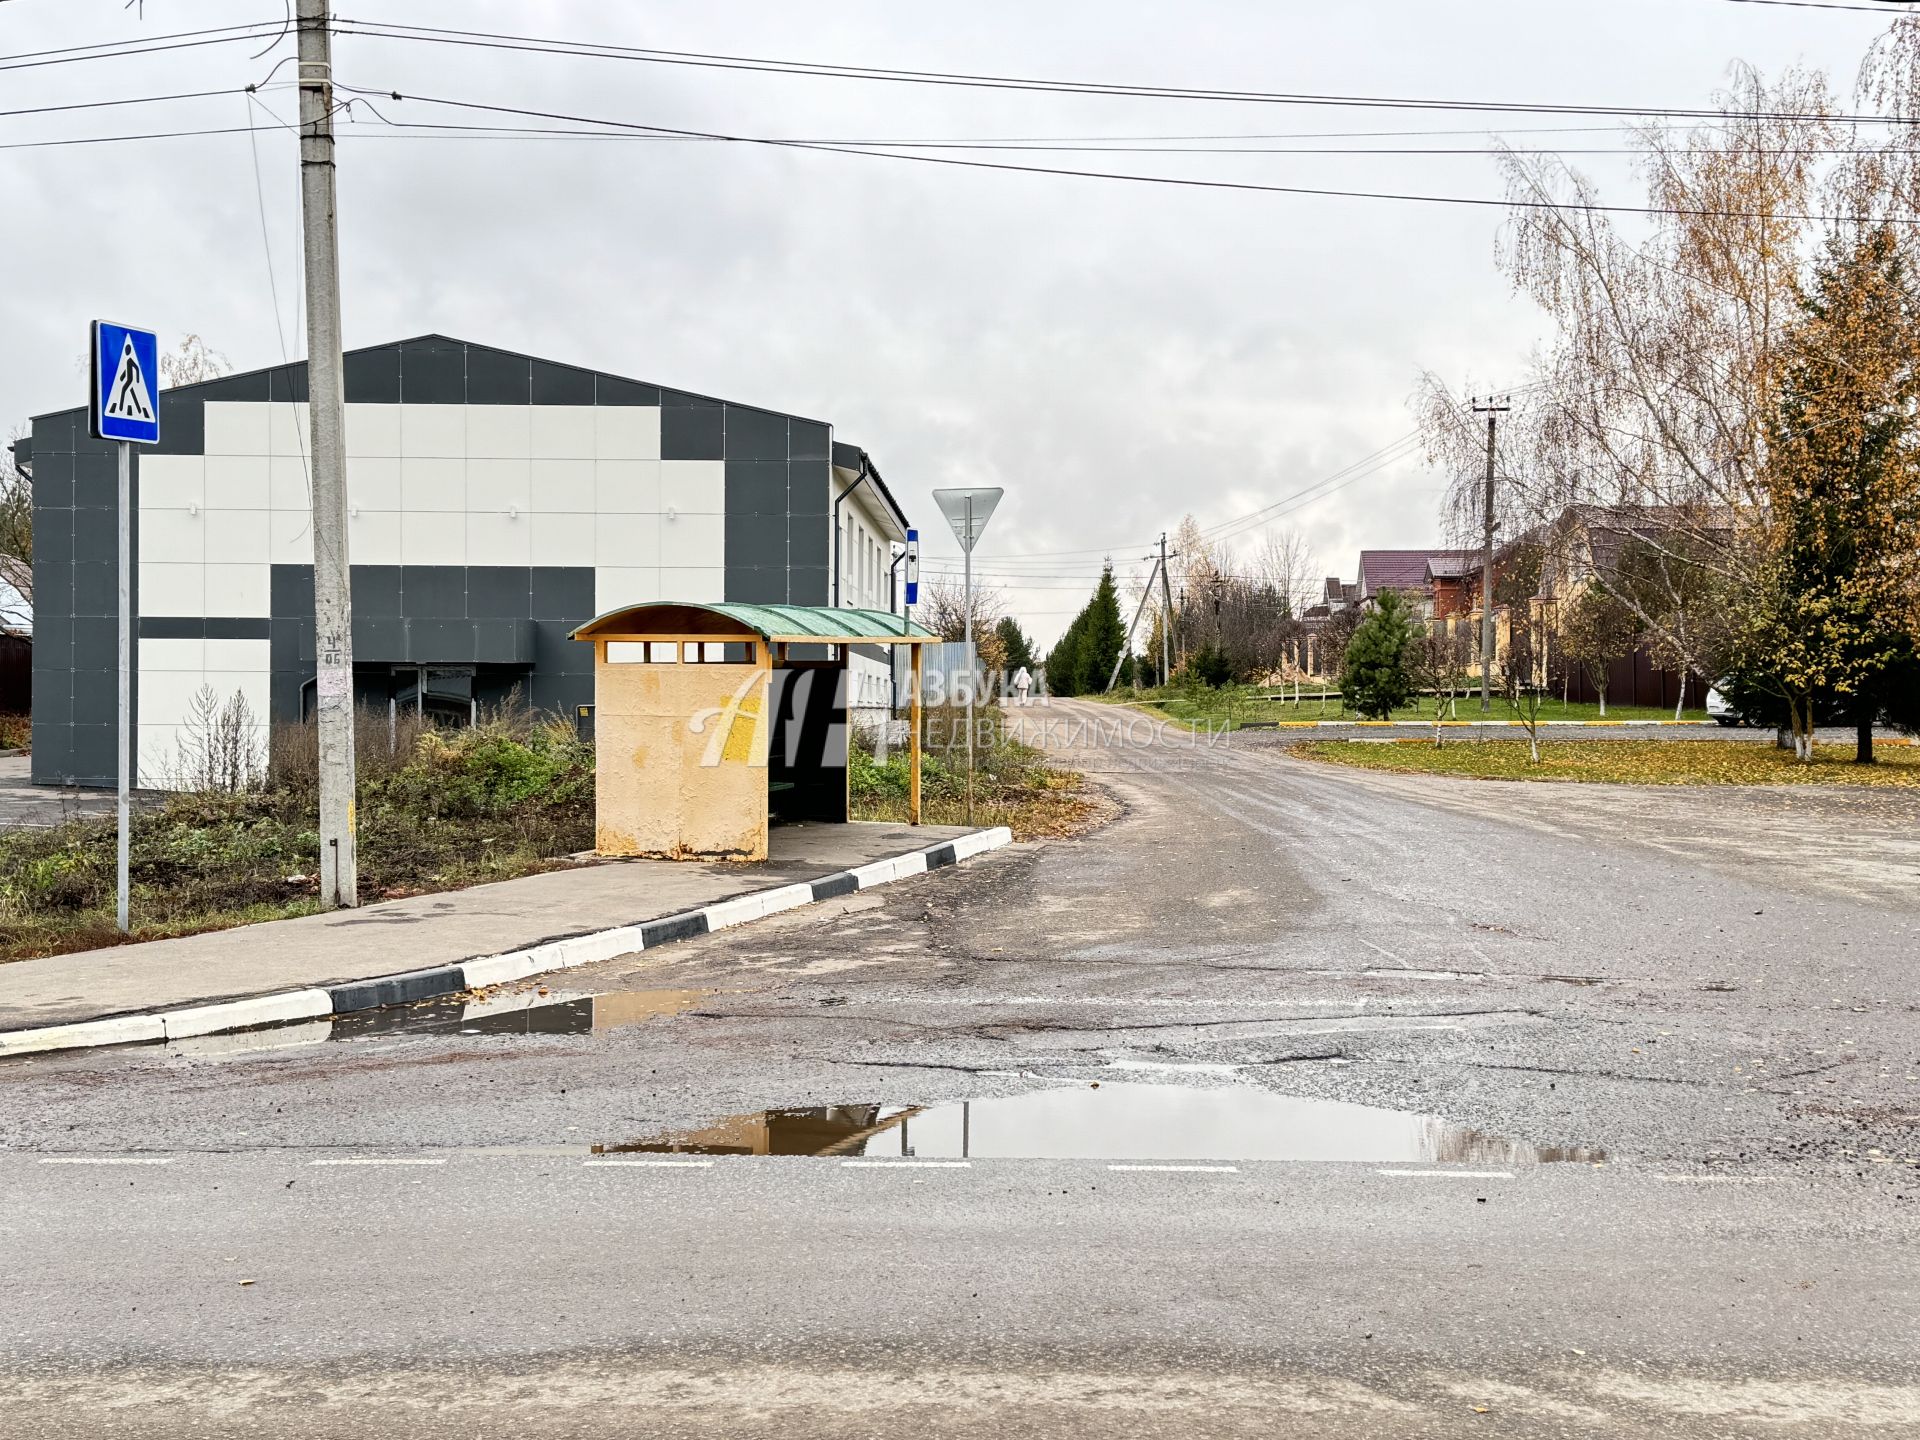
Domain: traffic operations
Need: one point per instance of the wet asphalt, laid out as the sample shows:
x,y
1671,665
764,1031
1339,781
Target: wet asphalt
x,y
1714,989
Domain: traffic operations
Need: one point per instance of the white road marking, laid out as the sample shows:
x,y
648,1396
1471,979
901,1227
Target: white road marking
x,y
1454,1174
657,1164
1206,1169
1721,1179
106,1160
906,1164
376,1160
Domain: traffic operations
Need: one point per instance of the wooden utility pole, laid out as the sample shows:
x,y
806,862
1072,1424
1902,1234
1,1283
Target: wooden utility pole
x,y
1493,409
332,594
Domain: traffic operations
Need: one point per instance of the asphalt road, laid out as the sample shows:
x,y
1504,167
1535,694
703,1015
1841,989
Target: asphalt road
x,y
1666,1042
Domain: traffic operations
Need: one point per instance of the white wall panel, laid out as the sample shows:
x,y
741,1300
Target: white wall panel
x,y
157,654
563,486
693,487
433,485
627,541
242,590
236,536
238,482
373,483
614,586
236,427
433,430
373,430
494,538
157,756
626,432
706,584
373,538
563,432
237,656
179,536
626,487
499,485
289,484
290,538
172,481
693,540
433,538
172,590
562,539
500,432
289,428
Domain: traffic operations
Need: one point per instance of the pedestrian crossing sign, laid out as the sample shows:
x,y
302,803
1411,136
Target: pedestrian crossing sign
x,y
126,384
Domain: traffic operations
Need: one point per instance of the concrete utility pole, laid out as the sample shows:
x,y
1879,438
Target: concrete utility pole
x,y
1126,649
1166,610
332,594
1495,407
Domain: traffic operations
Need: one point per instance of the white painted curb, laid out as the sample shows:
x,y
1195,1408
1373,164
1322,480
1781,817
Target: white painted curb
x,y
84,1034
254,1011
247,1013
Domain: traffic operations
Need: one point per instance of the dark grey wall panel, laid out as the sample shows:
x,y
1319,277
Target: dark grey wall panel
x,y
561,384
495,377
692,433
373,376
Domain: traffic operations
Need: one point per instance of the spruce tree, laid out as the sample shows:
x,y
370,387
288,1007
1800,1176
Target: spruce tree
x,y
1377,676
1018,647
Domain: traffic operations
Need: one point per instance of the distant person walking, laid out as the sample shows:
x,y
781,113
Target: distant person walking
x,y
1022,683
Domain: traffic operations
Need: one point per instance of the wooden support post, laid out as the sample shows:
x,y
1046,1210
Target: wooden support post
x,y
913,734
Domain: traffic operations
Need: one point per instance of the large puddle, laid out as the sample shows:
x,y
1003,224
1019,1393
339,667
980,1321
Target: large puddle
x,y
1113,1120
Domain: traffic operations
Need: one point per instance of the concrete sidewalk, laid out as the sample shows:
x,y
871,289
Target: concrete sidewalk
x,y
428,931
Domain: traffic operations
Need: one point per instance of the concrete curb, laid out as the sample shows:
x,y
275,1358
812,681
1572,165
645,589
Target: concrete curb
x,y
283,1006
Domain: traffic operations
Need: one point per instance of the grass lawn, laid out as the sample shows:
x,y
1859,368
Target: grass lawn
x,y
1627,762
1228,708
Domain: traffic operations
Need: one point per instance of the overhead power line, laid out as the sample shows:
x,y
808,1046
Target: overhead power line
x,y
153,45
588,49
1183,181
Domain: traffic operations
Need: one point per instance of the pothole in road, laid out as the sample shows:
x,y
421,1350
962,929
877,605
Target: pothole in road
x,y
1110,1120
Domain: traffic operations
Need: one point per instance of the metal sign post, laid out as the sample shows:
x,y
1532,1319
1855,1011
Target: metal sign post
x,y
968,511
123,405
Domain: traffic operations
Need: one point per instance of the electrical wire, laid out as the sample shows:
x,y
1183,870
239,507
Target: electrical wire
x,y
129,100
1181,181
497,40
26,60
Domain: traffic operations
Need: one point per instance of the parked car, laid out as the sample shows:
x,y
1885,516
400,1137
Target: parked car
x,y
1722,709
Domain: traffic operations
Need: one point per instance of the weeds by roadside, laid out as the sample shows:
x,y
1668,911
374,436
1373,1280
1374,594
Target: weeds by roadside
x,y
1013,784
508,797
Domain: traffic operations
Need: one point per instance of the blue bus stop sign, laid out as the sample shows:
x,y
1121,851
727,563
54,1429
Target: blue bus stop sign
x,y
126,384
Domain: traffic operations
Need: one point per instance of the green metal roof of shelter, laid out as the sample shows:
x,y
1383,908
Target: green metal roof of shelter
x,y
807,623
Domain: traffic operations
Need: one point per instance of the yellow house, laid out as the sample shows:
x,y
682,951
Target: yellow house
x,y
709,718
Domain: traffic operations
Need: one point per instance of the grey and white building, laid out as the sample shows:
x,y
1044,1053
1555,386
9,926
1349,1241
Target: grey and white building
x,y
496,502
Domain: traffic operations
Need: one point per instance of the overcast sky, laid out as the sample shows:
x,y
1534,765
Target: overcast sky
x,y
1115,355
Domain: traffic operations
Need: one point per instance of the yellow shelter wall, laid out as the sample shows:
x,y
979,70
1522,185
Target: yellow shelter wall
x,y
681,755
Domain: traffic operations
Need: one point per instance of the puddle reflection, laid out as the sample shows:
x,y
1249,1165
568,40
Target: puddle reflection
x,y
530,1013
1114,1120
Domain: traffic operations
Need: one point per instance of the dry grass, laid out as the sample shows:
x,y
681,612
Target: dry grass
x,y
1627,762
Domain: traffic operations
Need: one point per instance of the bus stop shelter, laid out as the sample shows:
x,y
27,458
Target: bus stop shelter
x,y
708,720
